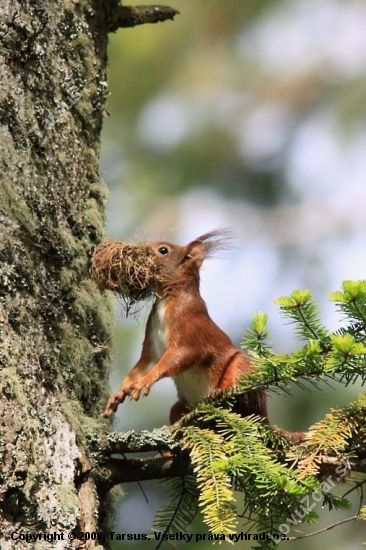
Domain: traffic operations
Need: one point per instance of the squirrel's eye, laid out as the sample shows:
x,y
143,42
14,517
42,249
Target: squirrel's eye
x,y
163,250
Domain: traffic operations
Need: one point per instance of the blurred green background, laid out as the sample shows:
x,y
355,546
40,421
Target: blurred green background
x,y
248,114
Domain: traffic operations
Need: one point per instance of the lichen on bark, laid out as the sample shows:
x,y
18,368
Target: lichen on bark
x,y
55,324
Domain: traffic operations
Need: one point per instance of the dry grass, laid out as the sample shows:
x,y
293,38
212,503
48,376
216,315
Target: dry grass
x,y
128,269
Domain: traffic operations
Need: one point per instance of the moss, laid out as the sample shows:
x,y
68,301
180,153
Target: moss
x,y
99,193
85,426
75,351
67,278
80,265
94,218
83,369
32,481
67,246
5,352
62,157
66,495
92,309
17,208
7,195
55,322
11,385
81,43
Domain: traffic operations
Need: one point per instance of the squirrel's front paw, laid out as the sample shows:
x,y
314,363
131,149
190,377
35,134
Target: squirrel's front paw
x,y
140,387
113,403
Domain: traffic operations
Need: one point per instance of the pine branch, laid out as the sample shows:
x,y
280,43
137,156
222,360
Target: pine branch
x,y
351,301
114,471
340,356
227,452
302,310
216,499
213,451
339,439
327,528
182,508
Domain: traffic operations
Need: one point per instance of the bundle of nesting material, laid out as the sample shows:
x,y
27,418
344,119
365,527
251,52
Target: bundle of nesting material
x,y
128,269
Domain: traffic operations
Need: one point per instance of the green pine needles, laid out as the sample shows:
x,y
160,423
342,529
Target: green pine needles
x,y
339,355
246,471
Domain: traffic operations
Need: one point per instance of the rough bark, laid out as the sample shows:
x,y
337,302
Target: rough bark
x,y
54,322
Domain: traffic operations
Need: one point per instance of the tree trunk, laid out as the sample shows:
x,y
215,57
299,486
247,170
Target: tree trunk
x,y
55,324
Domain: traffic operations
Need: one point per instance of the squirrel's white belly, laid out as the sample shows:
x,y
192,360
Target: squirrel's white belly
x,y
193,384
158,332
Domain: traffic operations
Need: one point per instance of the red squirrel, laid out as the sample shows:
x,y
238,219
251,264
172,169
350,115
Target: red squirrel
x,y
182,341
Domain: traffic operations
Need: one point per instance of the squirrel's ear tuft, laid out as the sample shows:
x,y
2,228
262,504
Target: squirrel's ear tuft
x,y
208,244
215,240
